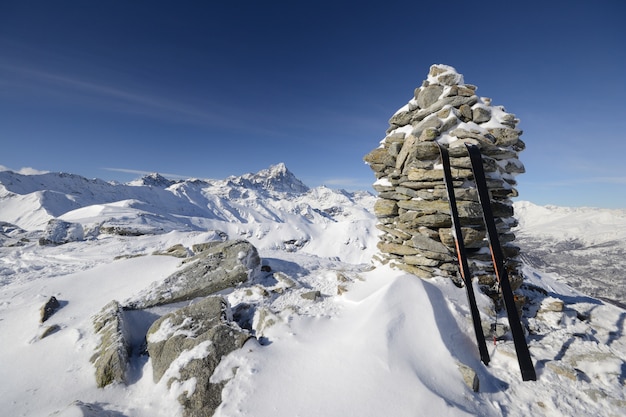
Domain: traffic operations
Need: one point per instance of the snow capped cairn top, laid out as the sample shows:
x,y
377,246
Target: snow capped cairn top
x,y
444,74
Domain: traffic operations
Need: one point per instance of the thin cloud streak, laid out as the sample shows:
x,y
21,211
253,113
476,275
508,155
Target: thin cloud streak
x,y
207,113
350,183
102,90
210,114
142,173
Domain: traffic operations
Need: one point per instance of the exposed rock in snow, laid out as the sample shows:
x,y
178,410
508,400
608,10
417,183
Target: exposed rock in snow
x,y
178,250
59,232
185,348
111,357
186,344
48,309
219,266
48,330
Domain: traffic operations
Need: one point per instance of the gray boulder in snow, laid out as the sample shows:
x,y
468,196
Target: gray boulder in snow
x,y
470,378
111,357
49,330
186,346
219,266
58,232
49,308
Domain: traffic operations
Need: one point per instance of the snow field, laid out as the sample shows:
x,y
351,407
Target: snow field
x,y
375,342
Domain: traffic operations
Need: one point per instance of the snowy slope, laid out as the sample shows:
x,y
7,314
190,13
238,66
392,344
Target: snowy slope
x,y
377,341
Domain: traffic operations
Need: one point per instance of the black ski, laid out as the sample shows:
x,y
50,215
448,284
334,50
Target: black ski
x,y
457,233
519,340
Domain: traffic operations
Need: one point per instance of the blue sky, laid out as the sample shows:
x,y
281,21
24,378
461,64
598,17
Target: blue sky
x,y
210,89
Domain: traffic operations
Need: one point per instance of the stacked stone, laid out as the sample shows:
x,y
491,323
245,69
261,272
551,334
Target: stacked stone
x,y
412,208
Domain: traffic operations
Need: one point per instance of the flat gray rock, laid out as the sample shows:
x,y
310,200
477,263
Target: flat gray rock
x,y
219,266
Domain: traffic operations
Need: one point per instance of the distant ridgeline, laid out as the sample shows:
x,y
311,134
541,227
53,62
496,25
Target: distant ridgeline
x,y
412,206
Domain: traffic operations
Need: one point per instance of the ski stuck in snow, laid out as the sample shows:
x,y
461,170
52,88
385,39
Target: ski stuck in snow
x,y
521,348
519,340
464,270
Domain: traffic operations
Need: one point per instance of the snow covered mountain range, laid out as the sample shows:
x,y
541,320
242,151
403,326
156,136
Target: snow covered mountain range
x,y
585,246
249,206
370,341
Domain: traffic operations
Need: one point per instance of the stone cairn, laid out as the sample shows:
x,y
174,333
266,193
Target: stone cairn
x,y
412,206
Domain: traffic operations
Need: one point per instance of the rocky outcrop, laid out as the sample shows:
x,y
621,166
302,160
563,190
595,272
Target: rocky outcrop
x,y
217,266
111,357
470,378
49,308
48,330
12,235
187,345
412,206
58,232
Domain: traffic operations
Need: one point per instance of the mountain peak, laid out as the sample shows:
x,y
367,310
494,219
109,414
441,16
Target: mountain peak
x,y
154,180
279,178
275,178
279,168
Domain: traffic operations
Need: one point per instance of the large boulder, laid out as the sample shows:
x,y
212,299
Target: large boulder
x,y
58,232
218,266
186,346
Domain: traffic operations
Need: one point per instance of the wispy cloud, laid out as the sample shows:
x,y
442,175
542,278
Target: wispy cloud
x,y
104,91
348,183
118,98
141,173
135,102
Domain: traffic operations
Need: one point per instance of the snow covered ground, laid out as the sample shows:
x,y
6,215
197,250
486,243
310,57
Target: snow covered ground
x,y
377,341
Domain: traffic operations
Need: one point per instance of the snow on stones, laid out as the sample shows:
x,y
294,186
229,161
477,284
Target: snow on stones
x,y
220,265
187,357
186,344
412,210
58,232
